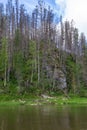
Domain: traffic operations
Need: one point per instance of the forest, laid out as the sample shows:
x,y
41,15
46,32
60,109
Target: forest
x,y
39,55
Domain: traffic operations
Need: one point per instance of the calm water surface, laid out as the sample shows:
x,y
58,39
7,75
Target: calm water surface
x,y
43,118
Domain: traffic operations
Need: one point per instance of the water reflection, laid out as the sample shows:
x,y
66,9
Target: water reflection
x,y
43,118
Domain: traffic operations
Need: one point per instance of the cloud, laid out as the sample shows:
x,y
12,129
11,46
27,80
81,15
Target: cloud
x,y
29,4
61,3
69,9
61,6
76,10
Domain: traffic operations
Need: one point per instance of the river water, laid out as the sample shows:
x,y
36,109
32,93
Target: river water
x,y
49,117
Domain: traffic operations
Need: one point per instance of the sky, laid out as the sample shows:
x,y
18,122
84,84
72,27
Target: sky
x,y
76,10
69,9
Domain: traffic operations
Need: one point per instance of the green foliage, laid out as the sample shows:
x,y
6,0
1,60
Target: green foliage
x,y
17,39
24,69
3,62
72,72
3,55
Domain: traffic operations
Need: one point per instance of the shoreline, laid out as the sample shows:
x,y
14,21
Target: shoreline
x,y
44,101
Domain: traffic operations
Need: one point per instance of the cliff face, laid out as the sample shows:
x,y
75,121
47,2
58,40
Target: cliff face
x,y
60,79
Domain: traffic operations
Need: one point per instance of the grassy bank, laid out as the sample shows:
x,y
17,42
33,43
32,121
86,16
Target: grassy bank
x,y
38,100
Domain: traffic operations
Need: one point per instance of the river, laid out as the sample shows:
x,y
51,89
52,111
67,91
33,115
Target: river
x,y
48,117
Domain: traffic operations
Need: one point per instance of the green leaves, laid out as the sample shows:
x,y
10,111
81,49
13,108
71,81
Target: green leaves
x,y
3,54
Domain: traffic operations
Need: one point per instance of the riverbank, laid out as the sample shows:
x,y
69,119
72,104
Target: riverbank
x,y
7,100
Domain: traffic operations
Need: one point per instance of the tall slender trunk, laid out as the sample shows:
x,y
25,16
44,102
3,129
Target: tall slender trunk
x,y
38,62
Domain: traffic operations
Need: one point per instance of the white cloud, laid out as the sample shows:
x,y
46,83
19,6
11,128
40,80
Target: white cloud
x,y
28,5
61,4
76,10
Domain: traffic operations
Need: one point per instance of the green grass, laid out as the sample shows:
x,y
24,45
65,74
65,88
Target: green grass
x,y
10,100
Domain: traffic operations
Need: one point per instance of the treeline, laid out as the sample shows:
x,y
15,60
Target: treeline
x,y
39,55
